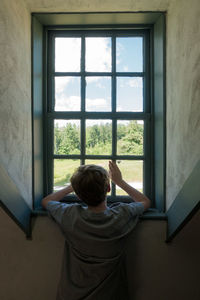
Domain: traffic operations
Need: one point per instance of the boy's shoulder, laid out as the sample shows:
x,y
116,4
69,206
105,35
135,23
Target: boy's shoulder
x,y
58,209
134,208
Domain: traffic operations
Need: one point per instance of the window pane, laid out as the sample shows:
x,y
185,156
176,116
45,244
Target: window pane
x,y
98,162
66,137
67,54
67,94
129,94
132,172
98,54
130,137
98,137
129,54
98,94
63,170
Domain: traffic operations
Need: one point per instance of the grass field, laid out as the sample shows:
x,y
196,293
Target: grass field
x,y
132,171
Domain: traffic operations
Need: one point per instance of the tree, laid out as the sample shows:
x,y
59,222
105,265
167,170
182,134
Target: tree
x,y
130,139
67,139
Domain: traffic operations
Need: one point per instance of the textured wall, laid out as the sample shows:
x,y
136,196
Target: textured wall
x,y
183,73
156,271
96,5
183,93
15,94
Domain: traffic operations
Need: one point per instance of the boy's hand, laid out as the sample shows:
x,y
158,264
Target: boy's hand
x,y
116,177
115,173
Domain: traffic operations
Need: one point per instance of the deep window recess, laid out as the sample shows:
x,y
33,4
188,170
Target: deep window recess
x,y
98,106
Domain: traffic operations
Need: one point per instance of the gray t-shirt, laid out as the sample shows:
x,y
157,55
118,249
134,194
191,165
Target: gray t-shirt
x,y
93,255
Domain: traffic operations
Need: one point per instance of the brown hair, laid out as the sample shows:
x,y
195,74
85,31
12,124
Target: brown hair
x,y
91,184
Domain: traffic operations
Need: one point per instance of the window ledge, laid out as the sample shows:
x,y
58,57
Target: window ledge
x,y
151,214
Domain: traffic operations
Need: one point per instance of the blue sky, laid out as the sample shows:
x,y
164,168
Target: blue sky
x,y
98,59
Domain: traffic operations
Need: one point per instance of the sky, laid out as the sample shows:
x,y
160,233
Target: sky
x,y
98,59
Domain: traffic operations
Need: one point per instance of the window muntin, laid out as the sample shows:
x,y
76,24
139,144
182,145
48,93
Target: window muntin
x,y
92,96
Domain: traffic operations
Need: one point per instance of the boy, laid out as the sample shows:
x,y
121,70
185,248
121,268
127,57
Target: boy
x,y
95,235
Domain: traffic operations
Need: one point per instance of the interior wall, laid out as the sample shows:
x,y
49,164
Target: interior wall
x,y
96,5
183,94
15,94
183,73
156,270
30,269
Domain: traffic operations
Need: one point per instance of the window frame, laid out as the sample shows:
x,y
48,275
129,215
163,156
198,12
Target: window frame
x,y
17,209
153,21
145,115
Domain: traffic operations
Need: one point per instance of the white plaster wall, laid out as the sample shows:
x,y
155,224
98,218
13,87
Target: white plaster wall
x,y
183,93
183,134
15,94
30,270
96,5
183,75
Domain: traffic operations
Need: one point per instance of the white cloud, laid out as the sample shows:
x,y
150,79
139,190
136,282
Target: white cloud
x,y
120,48
61,83
71,103
135,82
97,80
67,54
97,104
90,79
98,54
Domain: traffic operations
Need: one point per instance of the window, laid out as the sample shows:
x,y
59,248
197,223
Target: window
x,y
114,117
98,105
114,27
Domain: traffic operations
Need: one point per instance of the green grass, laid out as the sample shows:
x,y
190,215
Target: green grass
x,y
63,170
132,171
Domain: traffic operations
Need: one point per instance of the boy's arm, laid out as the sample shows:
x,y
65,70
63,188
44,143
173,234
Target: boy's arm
x,y
57,196
116,177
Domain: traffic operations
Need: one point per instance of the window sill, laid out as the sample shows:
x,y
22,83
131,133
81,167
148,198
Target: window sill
x,y
150,214
153,214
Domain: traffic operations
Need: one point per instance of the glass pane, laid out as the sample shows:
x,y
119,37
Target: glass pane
x,y
98,54
129,94
66,137
130,137
63,170
67,54
98,94
67,94
98,137
132,173
129,54
99,162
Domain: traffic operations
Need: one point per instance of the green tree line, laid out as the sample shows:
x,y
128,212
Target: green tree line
x,y
99,139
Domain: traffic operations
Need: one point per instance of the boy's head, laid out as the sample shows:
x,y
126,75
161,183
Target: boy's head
x,y
91,184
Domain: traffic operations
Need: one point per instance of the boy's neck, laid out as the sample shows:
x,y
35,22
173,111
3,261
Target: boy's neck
x,y
99,208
